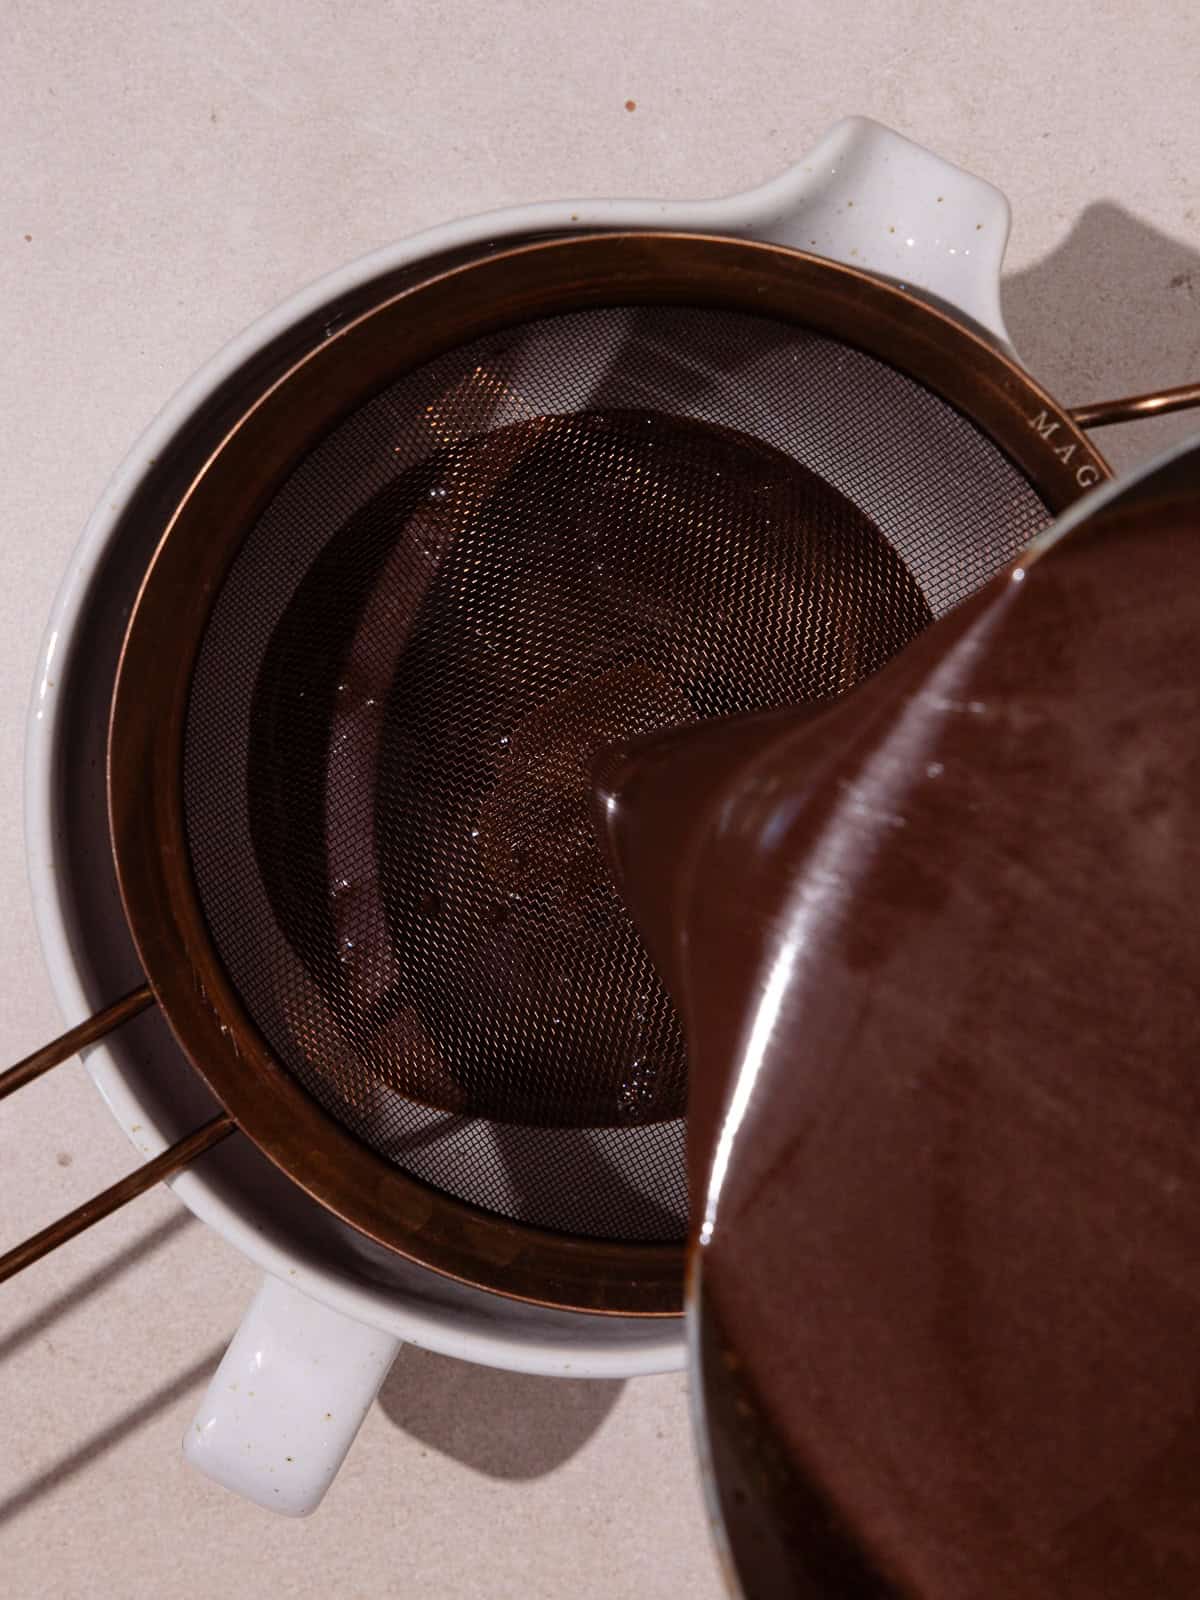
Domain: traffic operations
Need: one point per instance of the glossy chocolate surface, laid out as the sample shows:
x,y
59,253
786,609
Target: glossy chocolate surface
x,y
937,947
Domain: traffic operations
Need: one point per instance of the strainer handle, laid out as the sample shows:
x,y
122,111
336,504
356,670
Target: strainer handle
x,y
125,1189
75,1039
1134,407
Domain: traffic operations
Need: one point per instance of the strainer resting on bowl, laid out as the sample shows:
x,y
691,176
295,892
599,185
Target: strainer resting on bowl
x,y
540,500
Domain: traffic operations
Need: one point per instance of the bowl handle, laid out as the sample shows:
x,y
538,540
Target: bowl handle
x,y
869,198
290,1394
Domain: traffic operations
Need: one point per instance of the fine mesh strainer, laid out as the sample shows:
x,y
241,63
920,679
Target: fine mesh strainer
x,y
549,499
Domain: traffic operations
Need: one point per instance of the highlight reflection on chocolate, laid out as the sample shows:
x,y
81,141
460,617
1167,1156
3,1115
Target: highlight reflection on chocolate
x,y
937,950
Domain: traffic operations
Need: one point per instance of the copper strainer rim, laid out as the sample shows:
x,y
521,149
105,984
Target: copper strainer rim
x,y
166,625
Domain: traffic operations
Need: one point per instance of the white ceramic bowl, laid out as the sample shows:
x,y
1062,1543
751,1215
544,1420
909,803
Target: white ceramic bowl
x,y
320,1335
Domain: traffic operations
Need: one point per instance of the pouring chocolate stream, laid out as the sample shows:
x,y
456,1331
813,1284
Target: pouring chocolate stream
x,y
937,950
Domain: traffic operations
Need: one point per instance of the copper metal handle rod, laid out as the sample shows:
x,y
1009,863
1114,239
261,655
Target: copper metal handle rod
x,y
112,1198
68,1044
1135,406
135,1183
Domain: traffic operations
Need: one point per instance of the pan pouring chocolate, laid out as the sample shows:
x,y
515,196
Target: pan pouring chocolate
x,y
937,952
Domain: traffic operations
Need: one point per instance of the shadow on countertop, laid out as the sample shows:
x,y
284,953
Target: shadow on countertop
x,y
1113,310
503,1424
138,1416
100,1443
15,1338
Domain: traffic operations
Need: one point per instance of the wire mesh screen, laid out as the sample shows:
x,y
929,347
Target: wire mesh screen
x,y
593,526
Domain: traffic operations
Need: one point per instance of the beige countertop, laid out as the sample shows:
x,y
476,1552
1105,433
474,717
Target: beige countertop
x,y
168,172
